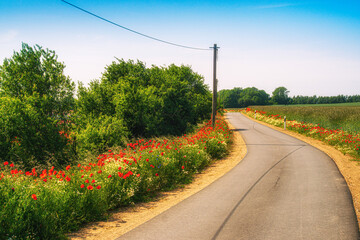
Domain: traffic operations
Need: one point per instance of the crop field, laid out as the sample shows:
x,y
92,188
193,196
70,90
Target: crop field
x,y
322,123
332,116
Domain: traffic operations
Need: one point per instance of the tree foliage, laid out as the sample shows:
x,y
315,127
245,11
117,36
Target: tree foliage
x,y
35,98
149,101
280,96
237,97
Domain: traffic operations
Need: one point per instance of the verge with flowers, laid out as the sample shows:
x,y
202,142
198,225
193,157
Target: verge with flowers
x,y
346,141
45,204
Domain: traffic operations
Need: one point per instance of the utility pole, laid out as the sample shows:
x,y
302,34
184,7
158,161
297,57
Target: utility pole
x,y
214,98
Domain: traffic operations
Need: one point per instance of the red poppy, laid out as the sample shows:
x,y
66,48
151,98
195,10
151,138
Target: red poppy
x,y
68,167
90,187
93,181
156,174
11,165
82,186
98,187
67,178
182,167
87,180
34,196
6,163
109,176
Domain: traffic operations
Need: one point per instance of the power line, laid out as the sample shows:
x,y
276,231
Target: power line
x,y
144,35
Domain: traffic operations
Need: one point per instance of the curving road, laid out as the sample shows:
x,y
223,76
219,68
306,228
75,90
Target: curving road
x,y
283,189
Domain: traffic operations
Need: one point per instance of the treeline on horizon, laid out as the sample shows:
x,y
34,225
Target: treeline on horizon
x,y
251,96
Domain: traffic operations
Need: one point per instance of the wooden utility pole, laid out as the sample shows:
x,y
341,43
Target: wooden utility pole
x,y
214,98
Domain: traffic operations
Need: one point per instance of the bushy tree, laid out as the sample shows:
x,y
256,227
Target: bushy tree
x,y
36,100
237,97
230,98
149,101
280,96
253,97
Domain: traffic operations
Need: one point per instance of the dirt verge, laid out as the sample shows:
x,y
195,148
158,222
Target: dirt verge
x,y
125,219
349,168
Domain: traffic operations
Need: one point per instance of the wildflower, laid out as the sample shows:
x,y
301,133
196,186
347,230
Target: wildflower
x,y
67,178
11,165
182,167
109,176
98,187
82,185
156,174
34,196
93,181
90,187
6,163
68,167
87,180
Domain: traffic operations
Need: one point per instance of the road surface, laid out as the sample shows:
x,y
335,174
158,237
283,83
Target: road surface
x,y
283,189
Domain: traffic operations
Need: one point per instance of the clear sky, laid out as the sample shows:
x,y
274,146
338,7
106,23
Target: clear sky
x,y
311,47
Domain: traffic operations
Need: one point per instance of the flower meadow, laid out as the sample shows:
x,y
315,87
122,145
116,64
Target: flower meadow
x,y
46,204
346,141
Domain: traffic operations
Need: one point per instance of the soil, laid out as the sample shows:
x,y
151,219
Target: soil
x,y
125,219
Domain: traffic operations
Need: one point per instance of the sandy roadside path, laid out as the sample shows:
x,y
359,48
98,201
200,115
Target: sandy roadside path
x,y
126,219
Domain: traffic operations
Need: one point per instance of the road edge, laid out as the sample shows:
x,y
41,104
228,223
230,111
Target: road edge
x,y
348,168
126,219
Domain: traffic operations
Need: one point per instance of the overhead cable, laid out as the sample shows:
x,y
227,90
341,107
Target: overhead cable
x,y
144,35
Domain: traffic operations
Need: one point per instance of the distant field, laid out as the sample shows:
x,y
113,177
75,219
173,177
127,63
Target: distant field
x,y
355,104
331,116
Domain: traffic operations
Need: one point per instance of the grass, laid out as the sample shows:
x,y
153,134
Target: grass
x,y
47,203
348,142
353,104
333,116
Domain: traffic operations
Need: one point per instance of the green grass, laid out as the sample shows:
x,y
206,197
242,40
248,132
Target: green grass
x,y
354,104
47,203
332,116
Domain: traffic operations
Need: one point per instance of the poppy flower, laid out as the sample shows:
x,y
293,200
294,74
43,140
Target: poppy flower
x,y
90,187
34,196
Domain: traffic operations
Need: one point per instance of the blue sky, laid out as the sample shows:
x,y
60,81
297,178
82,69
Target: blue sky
x,y
310,47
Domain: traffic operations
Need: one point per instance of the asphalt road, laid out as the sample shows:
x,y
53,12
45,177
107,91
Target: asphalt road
x,y
283,189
